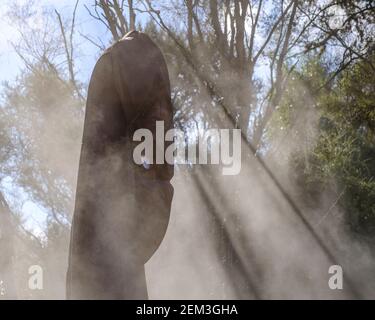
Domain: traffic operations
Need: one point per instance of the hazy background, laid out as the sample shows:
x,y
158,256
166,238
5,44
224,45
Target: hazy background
x,y
296,77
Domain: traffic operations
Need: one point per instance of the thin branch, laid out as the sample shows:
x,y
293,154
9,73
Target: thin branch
x,y
99,46
263,46
68,51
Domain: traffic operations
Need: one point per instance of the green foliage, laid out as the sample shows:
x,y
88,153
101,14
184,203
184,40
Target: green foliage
x,y
346,147
344,151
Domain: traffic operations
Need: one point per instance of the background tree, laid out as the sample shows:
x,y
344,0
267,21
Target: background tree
x,y
295,76
342,155
41,116
231,63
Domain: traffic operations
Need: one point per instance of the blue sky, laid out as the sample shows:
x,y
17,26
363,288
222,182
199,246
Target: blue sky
x,y
10,64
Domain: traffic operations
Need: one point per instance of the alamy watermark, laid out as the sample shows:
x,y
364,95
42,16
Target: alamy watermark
x,y
222,146
36,277
337,17
335,281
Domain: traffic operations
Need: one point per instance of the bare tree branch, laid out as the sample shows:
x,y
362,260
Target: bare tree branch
x,y
69,50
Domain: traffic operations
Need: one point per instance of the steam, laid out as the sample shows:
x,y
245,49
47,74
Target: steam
x,y
229,236
237,236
